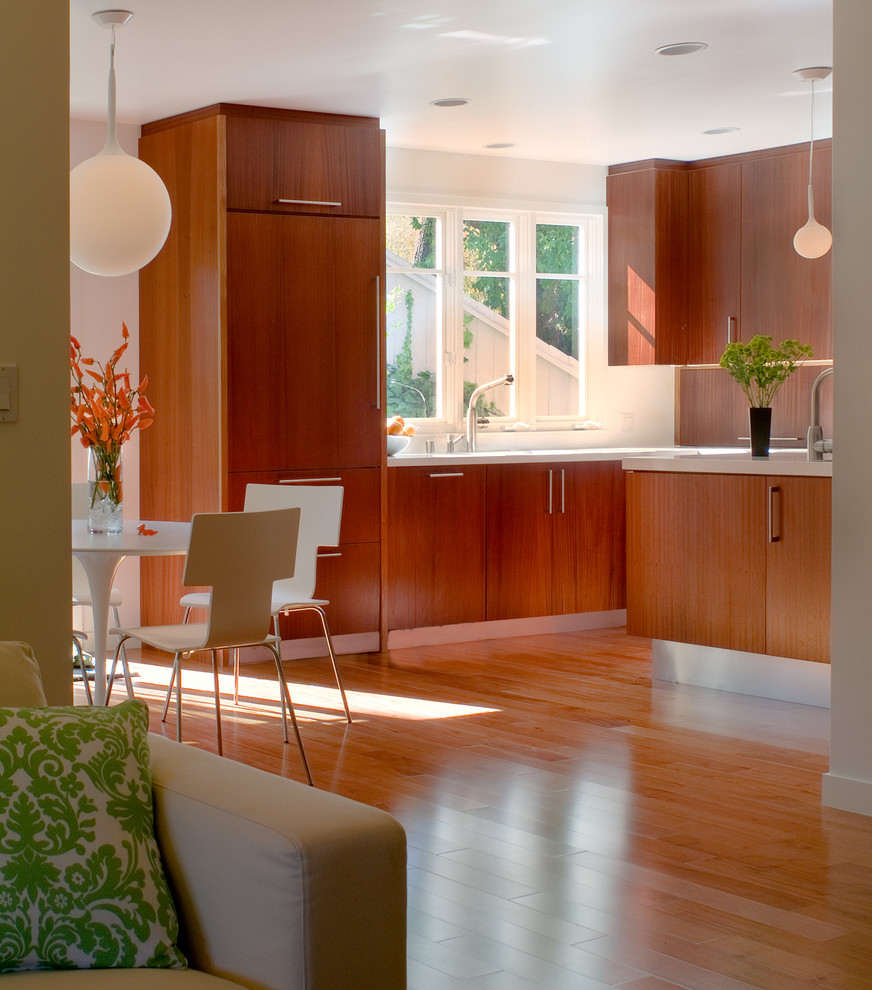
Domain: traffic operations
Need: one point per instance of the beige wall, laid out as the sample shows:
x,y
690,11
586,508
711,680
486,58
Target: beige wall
x,y
849,782
34,328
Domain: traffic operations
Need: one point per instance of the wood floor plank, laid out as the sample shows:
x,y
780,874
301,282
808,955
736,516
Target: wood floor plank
x,y
572,824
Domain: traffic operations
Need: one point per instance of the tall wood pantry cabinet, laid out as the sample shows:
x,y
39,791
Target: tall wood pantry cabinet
x,y
261,327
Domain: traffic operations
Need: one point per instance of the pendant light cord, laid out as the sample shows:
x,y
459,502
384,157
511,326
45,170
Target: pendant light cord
x,y
811,141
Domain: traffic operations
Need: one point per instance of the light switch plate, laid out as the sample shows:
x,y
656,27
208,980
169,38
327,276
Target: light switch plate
x,y
8,393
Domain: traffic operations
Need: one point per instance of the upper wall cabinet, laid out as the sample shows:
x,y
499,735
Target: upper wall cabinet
x,y
728,226
648,264
298,166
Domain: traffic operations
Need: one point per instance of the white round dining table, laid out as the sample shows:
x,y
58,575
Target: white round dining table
x,y
101,553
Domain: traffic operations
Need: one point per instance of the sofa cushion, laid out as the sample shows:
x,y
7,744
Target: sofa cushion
x,y
81,881
19,675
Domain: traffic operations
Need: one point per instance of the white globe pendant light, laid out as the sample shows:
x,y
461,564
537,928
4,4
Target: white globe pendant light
x,y
812,240
120,210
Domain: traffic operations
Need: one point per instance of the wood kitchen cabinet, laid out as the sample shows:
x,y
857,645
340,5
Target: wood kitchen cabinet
x,y
435,546
701,253
261,326
555,538
647,261
738,562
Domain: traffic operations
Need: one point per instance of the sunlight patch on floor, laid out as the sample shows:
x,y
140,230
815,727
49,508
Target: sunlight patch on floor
x,y
150,678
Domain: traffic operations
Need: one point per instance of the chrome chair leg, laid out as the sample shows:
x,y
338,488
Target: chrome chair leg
x,y
177,673
217,701
286,696
332,653
80,656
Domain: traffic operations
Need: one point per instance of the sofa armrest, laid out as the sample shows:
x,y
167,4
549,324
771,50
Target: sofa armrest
x,y
279,886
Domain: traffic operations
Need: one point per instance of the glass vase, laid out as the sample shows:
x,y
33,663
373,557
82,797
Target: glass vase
x,y
105,490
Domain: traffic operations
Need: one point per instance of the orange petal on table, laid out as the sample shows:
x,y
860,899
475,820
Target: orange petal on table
x,y
143,530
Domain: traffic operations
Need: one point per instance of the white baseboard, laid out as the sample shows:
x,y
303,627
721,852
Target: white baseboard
x,y
782,678
846,794
468,632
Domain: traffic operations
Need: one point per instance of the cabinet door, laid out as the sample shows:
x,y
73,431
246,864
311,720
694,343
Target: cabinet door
x,y
647,263
303,342
783,294
589,554
798,568
326,168
695,559
435,541
520,511
715,253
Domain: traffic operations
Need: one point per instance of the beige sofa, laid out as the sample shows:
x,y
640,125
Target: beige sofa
x,y
279,886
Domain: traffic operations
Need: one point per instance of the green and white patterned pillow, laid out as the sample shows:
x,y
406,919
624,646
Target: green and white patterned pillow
x,y
81,880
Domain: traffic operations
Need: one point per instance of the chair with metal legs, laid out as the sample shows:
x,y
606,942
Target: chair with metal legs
x,y
238,555
321,507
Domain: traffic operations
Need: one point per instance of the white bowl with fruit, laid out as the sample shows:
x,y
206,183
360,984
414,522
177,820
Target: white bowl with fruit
x,y
399,435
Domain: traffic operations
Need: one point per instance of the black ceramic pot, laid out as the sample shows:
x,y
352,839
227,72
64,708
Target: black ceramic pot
x,y
760,422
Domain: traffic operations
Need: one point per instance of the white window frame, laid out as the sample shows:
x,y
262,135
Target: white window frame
x,y
591,350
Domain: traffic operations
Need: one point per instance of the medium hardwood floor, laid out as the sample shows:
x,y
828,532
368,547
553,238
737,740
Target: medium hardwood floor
x,y
570,823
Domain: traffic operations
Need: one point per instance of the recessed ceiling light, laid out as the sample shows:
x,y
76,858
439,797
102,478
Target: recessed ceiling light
x,y
450,101
502,144
721,130
683,48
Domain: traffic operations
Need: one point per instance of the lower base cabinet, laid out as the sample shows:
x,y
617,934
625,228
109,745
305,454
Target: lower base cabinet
x,y
504,542
348,575
555,539
436,546
738,562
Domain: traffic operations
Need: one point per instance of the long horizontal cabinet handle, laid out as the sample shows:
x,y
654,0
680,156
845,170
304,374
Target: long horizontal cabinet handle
x,y
448,474
772,439
306,202
328,554
304,481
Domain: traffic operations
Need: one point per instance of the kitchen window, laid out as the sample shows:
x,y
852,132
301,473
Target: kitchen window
x,y
475,294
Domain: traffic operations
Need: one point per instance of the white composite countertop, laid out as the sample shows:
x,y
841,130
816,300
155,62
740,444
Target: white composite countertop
x,y
550,456
725,460
709,460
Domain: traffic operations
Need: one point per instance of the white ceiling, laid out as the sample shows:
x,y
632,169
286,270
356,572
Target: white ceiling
x,y
563,80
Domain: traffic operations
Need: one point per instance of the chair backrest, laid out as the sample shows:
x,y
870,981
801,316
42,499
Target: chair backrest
x,y
321,507
239,555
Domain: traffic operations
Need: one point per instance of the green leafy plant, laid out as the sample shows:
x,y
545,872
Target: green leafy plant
x,y
761,369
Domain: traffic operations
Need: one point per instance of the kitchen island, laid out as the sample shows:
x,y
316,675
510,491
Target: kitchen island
x,y
728,569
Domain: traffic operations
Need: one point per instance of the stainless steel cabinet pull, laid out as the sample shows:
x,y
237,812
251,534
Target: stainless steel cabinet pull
x,y
730,322
378,337
563,490
328,555
304,481
550,491
774,522
448,474
307,202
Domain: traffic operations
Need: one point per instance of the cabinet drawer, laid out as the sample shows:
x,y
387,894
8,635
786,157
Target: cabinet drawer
x,y
321,168
361,503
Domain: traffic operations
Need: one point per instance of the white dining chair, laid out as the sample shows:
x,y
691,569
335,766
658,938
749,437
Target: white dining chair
x,y
321,507
82,598
238,556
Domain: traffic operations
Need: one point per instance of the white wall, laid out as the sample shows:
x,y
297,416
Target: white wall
x,y
849,782
98,306
34,324
636,405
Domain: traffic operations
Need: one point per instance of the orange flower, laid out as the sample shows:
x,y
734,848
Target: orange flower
x,y
106,412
